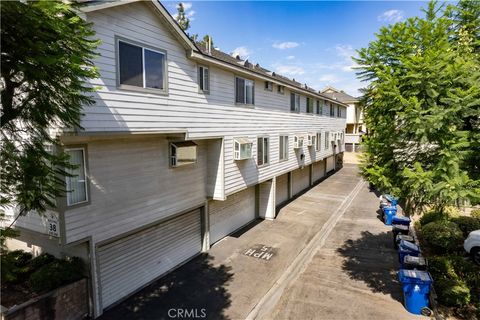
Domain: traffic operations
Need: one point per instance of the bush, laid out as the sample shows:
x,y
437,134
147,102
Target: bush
x,y
452,292
431,216
467,224
56,274
443,235
14,266
41,260
475,213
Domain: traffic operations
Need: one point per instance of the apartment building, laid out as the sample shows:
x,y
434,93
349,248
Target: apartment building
x,y
184,145
355,127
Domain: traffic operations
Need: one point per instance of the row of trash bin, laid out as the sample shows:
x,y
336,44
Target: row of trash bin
x,y
413,275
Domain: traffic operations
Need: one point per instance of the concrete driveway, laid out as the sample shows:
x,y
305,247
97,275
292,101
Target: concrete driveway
x,y
326,256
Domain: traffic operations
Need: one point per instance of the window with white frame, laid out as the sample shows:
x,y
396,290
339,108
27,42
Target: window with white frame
x,y
281,89
76,181
141,67
327,140
319,107
309,105
332,110
262,150
204,79
283,148
268,85
244,91
294,102
318,145
339,111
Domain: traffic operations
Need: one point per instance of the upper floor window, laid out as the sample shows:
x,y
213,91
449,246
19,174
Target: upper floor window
x,y
332,110
204,79
281,89
244,91
327,140
141,67
318,144
268,85
76,182
339,111
309,105
283,148
319,107
294,102
262,150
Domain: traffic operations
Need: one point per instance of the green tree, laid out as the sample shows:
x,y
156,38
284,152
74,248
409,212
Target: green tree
x,y
47,52
423,94
182,20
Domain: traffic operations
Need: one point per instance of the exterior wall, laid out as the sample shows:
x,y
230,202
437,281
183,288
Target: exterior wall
x,y
281,189
266,199
330,163
132,185
301,180
318,170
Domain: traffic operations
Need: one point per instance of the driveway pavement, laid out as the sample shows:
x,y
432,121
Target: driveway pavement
x,y
325,256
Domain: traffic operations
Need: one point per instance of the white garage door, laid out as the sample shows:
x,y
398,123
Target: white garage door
x,y
231,214
318,170
131,262
281,189
301,180
330,163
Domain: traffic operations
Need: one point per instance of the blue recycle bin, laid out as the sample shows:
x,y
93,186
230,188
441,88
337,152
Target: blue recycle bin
x,y
391,199
406,248
405,221
388,214
416,289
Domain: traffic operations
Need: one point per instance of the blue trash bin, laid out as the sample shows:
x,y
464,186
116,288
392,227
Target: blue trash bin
x,y
405,221
407,248
416,289
388,214
391,199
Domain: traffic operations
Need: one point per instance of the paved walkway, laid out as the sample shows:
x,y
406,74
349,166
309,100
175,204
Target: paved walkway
x,y
307,271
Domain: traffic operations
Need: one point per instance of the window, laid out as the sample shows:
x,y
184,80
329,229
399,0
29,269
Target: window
x,y
242,149
183,153
77,181
332,110
281,89
309,105
294,102
283,148
313,139
204,79
318,145
141,67
339,112
268,86
327,140
262,151
244,91
319,107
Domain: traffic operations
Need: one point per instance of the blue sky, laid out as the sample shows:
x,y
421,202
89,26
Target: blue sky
x,y
309,41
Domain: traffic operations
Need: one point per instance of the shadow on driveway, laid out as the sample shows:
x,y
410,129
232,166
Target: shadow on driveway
x,y
372,259
196,290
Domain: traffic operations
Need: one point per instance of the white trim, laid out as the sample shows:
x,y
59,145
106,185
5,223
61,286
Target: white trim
x,y
84,173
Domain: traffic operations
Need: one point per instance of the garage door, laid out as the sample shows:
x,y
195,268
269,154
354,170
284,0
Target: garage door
x,y
330,163
231,214
318,170
301,180
281,189
131,262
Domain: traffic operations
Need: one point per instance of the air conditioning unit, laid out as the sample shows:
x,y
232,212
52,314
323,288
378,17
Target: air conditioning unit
x,y
310,140
332,137
297,142
242,149
183,153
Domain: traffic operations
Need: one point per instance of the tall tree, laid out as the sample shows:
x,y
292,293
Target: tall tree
x,y
182,19
47,52
424,88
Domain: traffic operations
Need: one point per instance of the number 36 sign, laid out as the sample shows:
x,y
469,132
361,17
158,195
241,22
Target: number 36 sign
x,y
52,227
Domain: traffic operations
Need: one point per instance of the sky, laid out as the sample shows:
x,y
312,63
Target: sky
x,y
311,41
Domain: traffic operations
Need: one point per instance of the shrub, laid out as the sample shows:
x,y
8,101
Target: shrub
x,y
56,274
15,265
441,267
467,224
41,260
431,216
475,213
452,292
443,235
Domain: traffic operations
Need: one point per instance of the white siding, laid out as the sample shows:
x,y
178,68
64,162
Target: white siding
x,y
281,189
229,215
318,170
132,185
301,180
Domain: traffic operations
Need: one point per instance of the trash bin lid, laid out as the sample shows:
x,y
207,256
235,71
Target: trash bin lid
x,y
406,219
405,237
409,246
415,276
419,261
399,227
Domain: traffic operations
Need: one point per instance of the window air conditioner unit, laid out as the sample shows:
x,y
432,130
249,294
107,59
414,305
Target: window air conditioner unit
x,y
310,138
297,142
183,153
242,149
332,137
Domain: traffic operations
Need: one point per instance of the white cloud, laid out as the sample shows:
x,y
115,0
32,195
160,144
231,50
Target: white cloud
x,y
391,16
330,78
290,57
243,52
289,70
285,45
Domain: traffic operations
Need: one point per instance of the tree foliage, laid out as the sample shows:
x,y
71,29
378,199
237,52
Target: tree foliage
x,y
46,52
422,107
182,19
